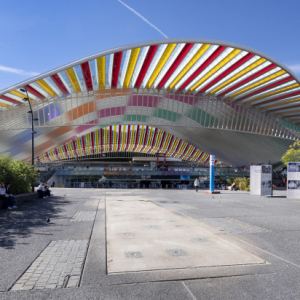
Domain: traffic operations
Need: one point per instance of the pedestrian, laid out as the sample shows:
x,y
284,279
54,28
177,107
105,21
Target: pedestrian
x,y
10,196
196,184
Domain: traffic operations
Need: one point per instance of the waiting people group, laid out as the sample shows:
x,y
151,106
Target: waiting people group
x,y
7,196
43,190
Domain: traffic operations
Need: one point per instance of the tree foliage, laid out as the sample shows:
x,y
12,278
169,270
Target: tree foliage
x,y
292,154
19,174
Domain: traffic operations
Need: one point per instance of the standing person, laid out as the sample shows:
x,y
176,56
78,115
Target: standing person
x,y
10,195
196,184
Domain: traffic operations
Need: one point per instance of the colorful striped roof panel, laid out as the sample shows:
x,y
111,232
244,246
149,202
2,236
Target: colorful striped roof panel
x,y
211,68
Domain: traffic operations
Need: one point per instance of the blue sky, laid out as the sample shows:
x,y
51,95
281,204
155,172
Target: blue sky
x,y
37,36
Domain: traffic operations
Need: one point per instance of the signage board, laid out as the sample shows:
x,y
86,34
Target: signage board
x,y
261,180
293,180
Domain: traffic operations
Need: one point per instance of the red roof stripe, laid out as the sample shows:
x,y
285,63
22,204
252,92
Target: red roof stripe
x,y
85,68
257,74
146,64
74,146
229,70
176,63
212,57
34,92
287,108
278,98
267,87
59,83
10,100
116,69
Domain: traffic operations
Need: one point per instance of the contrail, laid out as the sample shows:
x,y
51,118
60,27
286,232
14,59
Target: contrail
x,y
144,19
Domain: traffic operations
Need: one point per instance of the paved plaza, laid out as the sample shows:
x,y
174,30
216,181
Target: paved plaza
x,y
151,244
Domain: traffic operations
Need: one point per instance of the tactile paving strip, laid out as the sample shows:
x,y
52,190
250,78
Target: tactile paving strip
x,y
60,263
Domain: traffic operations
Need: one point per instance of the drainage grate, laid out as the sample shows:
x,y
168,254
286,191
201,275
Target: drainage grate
x,y
133,254
176,252
152,227
178,225
200,240
125,234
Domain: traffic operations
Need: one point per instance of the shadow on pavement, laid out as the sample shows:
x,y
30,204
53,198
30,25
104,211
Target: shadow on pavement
x,y
19,223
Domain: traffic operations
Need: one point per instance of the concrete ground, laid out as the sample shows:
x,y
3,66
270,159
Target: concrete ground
x,y
151,244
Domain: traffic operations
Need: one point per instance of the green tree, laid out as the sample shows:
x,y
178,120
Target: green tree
x,y
292,154
19,174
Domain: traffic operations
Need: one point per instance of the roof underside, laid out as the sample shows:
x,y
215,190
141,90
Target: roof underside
x,y
208,68
191,88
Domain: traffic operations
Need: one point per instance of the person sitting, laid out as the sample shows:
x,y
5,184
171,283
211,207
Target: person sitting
x,y
10,196
4,197
41,191
233,187
47,191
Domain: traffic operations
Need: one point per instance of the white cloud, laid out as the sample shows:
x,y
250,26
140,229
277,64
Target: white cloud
x,y
295,68
144,19
17,71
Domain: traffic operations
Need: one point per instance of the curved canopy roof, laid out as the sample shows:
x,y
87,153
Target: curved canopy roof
x,y
204,67
125,138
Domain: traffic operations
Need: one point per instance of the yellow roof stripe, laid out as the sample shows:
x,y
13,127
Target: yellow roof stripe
x,y
5,105
274,93
131,65
240,74
168,51
222,63
196,57
97,140
273,76
101,71
46,87
18,94
289,112
115,137
72,77
281,103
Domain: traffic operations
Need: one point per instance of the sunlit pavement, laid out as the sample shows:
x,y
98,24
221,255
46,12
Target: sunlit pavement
x,y
151,244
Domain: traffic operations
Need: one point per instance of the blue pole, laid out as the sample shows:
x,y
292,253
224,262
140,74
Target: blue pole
x,y
212,172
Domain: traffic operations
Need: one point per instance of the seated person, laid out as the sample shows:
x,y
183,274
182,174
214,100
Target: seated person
x,y
233,187
10,196
41,191
47,191
4,197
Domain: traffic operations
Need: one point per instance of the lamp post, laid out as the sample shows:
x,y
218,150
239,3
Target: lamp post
x,y
24,90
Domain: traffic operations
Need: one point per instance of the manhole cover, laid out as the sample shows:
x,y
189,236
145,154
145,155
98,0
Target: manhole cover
x,y
133,254
176,252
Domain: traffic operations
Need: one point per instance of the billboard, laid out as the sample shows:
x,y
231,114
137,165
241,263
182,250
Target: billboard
x,y
293,180
261,180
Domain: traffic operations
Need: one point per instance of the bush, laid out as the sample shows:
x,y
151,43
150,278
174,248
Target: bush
x,y
243,184
19,174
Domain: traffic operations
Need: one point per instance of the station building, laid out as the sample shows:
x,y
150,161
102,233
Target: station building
x,y
174,100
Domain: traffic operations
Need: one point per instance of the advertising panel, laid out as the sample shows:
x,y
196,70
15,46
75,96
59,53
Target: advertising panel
x,y
261,180
293,180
